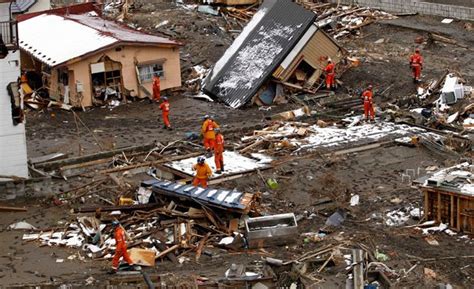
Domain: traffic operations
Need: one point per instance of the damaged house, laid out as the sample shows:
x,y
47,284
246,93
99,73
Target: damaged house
x,y
97,60
281,43
449,197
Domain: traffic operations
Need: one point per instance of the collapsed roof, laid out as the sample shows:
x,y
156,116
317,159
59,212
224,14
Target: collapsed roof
x,y
257,51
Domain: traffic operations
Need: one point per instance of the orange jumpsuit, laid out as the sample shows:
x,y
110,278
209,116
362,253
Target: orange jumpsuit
x,y
165,110
121,248
416,63
219,152
203,172
208,133
368,104
330,75
156,88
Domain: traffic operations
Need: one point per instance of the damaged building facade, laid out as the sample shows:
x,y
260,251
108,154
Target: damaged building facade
x,y
281,43
449,197
12,128
98,60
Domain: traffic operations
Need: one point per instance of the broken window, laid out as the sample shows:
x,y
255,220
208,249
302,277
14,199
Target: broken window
x,y
3,48
16,103
106,80
146,71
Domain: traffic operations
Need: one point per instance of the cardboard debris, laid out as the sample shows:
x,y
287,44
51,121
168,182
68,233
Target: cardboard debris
x,y
142,257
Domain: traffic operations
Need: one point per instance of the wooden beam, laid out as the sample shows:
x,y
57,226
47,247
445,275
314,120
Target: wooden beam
x,y
451,220
82,159
13,209
201,246
438,212
358,269
150,163
458,217
426,210
167,251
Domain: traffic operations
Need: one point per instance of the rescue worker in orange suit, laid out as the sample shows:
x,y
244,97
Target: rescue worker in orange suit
x,y
165,111
156,88
203,172
120,246
416,64
367,95
219,151
330,75
208,133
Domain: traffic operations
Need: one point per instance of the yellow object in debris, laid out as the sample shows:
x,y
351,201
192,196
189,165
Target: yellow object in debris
x,y
415,140
26,88
125,201
355,62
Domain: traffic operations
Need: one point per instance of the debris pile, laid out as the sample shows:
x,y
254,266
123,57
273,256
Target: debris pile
x,y
340,20
157,225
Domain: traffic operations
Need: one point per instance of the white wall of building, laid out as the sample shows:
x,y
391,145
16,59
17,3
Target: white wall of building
x,y
13,158
4,12
40,5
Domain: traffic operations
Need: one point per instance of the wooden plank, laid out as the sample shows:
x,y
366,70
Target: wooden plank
x,y
47,158
82,159
438,211
451,220
150,163
162,247
142,257
201,246
458,225
12,209
115,208
426,210
358,269
167,251
361,148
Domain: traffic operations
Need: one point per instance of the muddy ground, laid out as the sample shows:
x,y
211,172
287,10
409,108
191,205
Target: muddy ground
x,y
375,175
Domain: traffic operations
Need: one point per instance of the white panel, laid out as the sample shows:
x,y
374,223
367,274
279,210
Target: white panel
x,y
12,138
97,67
299,46
4,11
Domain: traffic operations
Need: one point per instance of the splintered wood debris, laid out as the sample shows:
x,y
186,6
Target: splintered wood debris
x,y
297,136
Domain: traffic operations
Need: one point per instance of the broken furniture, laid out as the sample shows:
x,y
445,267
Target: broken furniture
x,y
271,230
452,90
449,197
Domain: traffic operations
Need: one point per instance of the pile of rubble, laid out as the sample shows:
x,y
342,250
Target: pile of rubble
x,y
340,20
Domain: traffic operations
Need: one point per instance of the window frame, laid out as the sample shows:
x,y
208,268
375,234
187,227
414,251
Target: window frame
x,y
150,65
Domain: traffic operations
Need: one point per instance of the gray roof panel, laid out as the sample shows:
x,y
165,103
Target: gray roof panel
x,y
21,6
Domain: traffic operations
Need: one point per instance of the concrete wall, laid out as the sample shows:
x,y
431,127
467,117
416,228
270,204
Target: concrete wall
x,y
127,56
422,7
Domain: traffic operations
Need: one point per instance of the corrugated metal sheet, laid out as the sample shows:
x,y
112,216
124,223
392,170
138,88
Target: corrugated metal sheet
x,y
20,6
225,199
250,61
